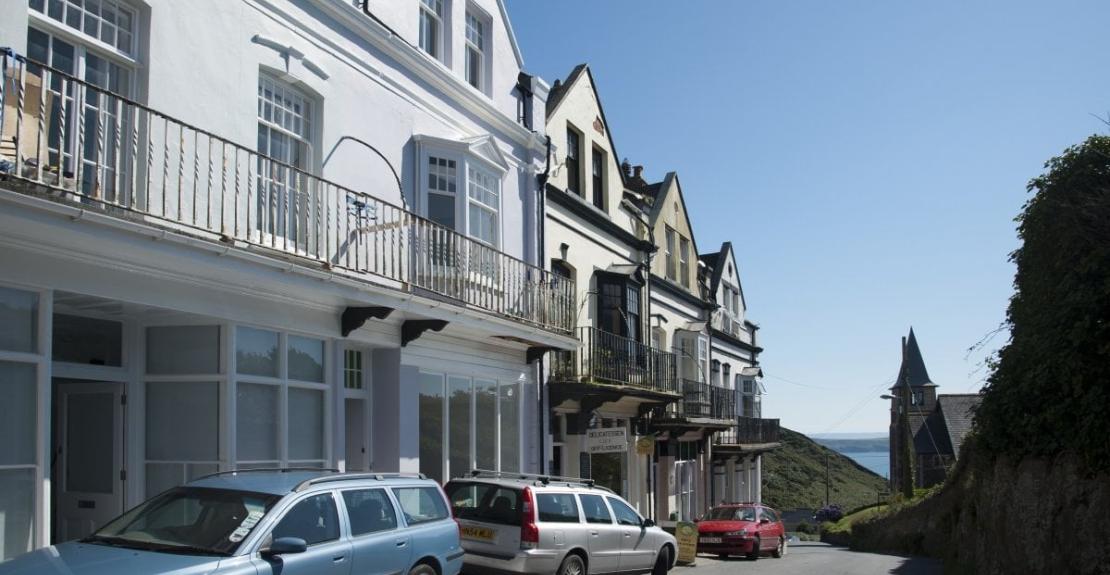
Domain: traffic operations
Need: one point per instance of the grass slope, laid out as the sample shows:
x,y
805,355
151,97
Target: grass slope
x,y
794,476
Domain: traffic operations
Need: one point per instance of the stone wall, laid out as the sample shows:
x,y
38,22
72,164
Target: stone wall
x,y
1001,517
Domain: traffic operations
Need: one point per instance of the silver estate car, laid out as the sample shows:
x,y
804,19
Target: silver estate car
x,y
539,525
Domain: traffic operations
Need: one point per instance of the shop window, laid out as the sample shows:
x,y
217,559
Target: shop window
x,y
257,428
306,359
177,350
19,312
256,352
468,438
182,432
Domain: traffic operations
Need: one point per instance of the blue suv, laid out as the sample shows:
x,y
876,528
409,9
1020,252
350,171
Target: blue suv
x,y
262,522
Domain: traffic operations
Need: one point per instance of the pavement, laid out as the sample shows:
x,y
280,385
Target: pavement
x,y
817,558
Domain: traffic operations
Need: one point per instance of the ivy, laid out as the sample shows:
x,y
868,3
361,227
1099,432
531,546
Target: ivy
x,y
1048,388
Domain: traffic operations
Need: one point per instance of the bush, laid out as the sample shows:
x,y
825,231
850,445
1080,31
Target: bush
x,y
804,527
831,513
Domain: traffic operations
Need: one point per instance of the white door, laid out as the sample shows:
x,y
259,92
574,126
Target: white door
x,y
355,413
88,457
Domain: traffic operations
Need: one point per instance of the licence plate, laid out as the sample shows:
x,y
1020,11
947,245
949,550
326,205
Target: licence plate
x,y
710,540
477,533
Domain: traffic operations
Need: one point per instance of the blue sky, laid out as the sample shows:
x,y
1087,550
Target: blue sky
x,y
865,158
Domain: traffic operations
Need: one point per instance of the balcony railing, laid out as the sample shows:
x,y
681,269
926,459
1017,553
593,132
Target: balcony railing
x,y
750,431
704,401
615,360
99,149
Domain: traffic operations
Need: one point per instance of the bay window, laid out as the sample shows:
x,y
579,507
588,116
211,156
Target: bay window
x,y
461,190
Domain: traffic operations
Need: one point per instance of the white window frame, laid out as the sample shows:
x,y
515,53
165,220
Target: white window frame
x,y
669,250
84,46
64,27
283,382
282,200
445,446
684,259
481,46
475,173
464,162
436,13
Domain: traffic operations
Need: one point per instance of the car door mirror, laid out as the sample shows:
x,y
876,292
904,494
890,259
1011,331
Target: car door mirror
x,y
285,546
764,521
647,523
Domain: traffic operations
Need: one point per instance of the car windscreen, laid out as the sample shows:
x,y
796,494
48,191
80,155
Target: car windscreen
x,y
731,514
485,502
188,520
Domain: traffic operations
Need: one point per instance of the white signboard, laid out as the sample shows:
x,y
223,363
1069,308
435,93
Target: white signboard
x,y
607,440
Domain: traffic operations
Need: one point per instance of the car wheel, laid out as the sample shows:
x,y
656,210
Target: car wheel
x,y
780,551
422,569
756,547
572,565
663,562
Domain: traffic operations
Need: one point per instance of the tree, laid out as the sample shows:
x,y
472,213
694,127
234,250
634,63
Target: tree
x,y
1048,390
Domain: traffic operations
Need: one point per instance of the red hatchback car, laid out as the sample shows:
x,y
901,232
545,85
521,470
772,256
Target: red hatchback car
x,y
741,529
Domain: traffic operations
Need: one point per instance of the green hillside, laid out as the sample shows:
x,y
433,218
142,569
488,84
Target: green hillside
x,y
794,476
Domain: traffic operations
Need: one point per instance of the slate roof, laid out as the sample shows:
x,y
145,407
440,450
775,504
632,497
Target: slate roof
x,y
912,372
957,411
929,434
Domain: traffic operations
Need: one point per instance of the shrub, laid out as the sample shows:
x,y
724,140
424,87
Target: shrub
x,y
804,527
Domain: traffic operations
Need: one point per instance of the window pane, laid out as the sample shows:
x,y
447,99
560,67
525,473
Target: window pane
x,y
183,349
431,426
17,508
87,340
625,514
315,520
370,511
19,320
510,427
18,413
182,421
458,389
557,507
306,423
257,408
306,359
485,392
594,509
89,420
441,210
256,352
421,504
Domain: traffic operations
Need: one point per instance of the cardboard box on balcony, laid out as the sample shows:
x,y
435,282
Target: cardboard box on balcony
x,y
32,108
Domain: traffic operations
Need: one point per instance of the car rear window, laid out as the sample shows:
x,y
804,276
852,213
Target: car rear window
x,y
485,502
420,504
557,507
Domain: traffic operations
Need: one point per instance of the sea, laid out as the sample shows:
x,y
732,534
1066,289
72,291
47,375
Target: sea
x,y
876,461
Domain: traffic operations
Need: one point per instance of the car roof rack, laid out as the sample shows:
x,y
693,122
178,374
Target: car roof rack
x,y
265,470
540,478
355,476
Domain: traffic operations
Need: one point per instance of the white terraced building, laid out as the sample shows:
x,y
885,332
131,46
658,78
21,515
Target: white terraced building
x,y
261,233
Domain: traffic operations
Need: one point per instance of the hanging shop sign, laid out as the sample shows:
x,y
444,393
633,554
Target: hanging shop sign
x,y
607,440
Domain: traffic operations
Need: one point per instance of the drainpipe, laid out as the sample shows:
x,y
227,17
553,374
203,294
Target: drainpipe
x,y
541,228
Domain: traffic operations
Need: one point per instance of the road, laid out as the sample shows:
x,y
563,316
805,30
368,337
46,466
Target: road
x,y
815,558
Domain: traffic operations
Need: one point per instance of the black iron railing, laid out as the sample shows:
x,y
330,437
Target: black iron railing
x,y
750,431
615,360
705,401
96,148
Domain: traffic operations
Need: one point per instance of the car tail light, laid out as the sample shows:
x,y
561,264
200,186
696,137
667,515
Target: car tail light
x,y
529,532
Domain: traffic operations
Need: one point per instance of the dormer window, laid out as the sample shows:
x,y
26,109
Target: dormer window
x,y
431,27
475,50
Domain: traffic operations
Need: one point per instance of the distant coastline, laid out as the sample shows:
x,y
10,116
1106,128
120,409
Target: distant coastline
x,y
871,452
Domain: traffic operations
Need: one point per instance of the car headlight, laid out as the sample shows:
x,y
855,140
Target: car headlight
x,y
740,533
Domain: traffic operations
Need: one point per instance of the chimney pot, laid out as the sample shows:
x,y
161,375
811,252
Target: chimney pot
x,y
637,171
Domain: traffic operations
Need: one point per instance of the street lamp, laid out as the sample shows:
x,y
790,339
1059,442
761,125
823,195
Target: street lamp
x,y
886,396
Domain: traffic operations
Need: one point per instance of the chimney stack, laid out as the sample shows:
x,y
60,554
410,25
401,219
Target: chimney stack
x,y
637,171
